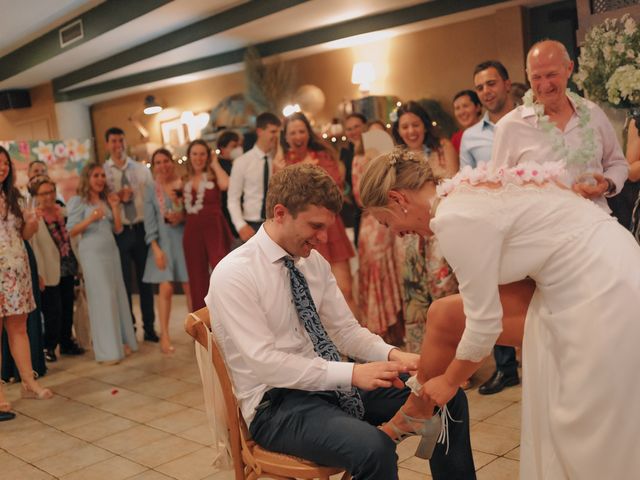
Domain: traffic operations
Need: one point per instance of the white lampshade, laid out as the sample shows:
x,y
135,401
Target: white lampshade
x,y
363,74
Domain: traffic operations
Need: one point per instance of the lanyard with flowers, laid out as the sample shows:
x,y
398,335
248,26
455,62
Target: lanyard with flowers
x,y
586,152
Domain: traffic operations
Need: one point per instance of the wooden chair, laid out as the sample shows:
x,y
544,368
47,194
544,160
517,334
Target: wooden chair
x,y
250,461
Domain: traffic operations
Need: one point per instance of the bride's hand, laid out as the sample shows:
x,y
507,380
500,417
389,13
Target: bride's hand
x,y
439,390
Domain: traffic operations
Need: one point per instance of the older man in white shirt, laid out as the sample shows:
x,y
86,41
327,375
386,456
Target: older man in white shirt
x,y
246,197
554,124
281,322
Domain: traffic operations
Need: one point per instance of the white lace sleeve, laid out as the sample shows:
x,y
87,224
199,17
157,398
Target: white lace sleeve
x,y
471,240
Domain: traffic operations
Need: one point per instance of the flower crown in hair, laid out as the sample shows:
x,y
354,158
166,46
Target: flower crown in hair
x,y
399,154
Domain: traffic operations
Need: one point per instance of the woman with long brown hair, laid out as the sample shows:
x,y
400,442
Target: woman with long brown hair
x,y
301,145
16,296
207,236
95,215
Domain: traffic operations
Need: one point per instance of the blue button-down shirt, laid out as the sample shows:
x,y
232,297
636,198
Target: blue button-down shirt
x,y
477,142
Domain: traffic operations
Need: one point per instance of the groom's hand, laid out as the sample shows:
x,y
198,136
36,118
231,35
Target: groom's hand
x,y
409,360
369,376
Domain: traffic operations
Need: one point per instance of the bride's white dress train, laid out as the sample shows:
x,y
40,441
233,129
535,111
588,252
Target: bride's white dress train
x,y
581,353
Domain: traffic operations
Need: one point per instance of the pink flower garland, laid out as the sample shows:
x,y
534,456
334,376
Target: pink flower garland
x,y
527,172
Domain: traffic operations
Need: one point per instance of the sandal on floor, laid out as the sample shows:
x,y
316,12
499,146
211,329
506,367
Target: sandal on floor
x,y
41,394
5,412
6,415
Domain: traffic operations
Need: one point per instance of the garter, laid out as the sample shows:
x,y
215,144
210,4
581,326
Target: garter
x,y
445,415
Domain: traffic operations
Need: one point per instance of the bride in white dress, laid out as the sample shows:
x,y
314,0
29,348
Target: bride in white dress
x,y
580,348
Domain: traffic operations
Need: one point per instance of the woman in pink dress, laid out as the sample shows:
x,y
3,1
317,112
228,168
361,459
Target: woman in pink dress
x,y
300,144
379,288
16,296
207,237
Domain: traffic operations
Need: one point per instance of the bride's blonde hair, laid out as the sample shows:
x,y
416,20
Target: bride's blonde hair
x,y
402,169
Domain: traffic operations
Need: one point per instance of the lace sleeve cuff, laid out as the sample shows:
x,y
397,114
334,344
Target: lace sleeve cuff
x,y
475,346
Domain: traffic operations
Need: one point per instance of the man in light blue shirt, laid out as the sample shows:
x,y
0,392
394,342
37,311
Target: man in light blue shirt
x,y
477,142
492,84
491,81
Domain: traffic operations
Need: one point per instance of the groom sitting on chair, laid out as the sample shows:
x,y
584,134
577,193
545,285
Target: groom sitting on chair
x,y
282,324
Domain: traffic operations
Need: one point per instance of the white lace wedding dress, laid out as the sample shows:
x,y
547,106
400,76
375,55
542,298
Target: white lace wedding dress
x,y
581,353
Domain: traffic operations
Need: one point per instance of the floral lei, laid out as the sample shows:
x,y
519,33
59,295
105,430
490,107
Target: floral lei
x,y
523,173
586,152
189,205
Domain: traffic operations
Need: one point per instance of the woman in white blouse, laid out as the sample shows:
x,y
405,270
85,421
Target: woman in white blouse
x,y
580,338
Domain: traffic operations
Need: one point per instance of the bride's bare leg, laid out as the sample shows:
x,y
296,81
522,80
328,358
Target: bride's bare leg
x,y
445,324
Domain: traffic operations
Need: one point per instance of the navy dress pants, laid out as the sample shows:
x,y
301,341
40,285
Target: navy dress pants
x,y
506,361
133,250
311,425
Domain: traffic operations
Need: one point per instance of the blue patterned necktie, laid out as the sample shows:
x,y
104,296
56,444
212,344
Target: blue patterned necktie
x,y
350,401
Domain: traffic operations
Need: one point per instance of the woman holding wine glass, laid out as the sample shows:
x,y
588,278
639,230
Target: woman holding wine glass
x,y
16,297
164,231
95,215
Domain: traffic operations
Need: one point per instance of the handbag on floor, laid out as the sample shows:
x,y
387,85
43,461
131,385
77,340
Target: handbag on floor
x,y
81,316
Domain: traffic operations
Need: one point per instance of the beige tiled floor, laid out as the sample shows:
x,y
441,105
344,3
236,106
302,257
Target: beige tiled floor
x,y
144,419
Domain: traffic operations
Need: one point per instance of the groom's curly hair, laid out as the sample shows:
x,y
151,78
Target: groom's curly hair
x,y
301,185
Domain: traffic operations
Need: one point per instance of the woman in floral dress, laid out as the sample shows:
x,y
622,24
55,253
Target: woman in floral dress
x,y
426,274
16,297
379,261
207,236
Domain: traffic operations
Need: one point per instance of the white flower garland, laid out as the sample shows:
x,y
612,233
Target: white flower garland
x,y
524,173
586,152
189,206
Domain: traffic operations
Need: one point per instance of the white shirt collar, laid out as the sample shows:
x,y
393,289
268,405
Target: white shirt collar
x,y
260,153
269,247
486,122
127,162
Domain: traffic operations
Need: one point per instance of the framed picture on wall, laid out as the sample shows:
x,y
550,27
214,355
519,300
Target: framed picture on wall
x,y
174,132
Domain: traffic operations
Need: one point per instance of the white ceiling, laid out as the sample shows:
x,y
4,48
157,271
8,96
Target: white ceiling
x,y
24,20
288,22
31,18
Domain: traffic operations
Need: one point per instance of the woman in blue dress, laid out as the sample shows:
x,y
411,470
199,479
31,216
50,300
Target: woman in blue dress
x,y
95,215
164,227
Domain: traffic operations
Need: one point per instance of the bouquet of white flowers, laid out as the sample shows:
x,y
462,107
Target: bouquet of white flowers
x,y
610,63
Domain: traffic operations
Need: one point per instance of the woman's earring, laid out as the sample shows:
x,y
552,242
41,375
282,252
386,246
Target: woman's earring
x,y
405,211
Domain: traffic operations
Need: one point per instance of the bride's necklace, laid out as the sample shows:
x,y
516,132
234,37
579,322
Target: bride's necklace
x,y
189,205
586,152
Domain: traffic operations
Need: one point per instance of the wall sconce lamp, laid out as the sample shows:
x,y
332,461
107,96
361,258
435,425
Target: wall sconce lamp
x,y
151,107
363,75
